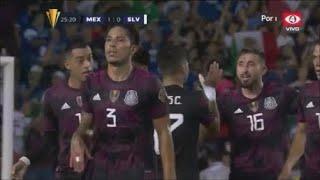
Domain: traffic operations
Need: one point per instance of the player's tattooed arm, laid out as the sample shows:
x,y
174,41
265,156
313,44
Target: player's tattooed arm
x,y
79,151
213,108
84,128
161,125
208,84
296,151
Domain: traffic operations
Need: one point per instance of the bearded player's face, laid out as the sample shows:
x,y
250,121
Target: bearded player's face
x,y
249,70
118,47
316,60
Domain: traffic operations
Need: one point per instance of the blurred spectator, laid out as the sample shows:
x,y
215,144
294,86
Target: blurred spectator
x,y
33,89
284,38
33,44
146,7
42,165
141,59
57,78
218,165
55,50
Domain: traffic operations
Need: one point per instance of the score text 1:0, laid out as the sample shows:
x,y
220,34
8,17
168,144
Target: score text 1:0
x,y
113,19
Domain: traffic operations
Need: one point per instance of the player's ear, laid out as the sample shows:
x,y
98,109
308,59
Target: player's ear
x,y
264,69
67,64
134,49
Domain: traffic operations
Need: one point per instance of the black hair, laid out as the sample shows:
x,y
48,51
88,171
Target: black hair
x,y
131,32
252,51
170,58
75,42
141,56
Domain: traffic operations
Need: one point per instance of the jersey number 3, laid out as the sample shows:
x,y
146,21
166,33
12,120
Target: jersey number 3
x,y
111,117
179,120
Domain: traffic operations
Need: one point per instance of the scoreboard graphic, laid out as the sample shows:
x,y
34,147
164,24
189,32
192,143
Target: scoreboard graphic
x,y
56,17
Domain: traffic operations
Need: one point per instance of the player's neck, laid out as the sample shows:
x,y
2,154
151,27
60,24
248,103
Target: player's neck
x,y
119,73
169,81
74,83
253,91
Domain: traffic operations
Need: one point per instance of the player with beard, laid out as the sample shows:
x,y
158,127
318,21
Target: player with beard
x,y
62,105
307,137
123,103
256,117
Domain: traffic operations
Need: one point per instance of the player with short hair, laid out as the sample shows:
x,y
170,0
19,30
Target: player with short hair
x,y
124,102
62,105
188,110
307,137
256,117
141,58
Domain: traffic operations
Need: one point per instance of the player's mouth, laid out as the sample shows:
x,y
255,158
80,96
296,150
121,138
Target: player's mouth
x,y
112,53
245,77
86,73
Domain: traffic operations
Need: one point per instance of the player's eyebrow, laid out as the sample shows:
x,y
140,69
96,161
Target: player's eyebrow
x,y
116,37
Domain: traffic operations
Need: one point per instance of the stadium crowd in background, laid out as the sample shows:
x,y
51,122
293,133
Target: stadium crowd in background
x,y
207,29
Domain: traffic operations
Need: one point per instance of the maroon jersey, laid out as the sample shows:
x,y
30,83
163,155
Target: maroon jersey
x,y
309,113
122,114
257,128
62,107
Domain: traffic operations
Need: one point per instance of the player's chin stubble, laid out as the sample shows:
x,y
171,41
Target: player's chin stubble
x,y
117,63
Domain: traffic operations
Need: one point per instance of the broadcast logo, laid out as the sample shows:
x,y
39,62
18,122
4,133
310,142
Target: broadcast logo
x,y
53,16
292,21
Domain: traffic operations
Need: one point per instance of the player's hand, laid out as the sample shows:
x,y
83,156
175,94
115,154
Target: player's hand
x,y
285,173
213,76
18,170
79,153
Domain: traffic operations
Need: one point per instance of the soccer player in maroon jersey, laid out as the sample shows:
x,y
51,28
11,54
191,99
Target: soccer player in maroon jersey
x,y
256,117
307,137
62,107
120,102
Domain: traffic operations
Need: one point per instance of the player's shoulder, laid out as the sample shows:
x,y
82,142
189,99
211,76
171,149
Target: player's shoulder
x,y
55,89
95,79
272,88
310,88
143,75
230,95
145,79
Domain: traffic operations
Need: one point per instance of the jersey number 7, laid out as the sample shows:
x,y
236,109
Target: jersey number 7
x,y
178,122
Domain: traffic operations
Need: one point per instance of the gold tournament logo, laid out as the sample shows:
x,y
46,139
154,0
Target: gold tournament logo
x,y
53,16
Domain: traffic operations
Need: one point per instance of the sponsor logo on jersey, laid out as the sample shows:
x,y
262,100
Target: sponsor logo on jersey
x,y
131,98
114,95
79,101
65,106
270,103
310,105
238,111
96,97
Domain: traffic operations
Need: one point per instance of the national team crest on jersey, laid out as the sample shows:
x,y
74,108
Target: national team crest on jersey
x,y
114,95
79,101
131,98
270,103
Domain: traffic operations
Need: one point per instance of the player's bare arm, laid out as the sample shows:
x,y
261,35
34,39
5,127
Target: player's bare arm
x,y
161,125
208,84
296,151
78,149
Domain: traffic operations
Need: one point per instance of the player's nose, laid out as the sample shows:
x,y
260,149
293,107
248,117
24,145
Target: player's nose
x,y
87,64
